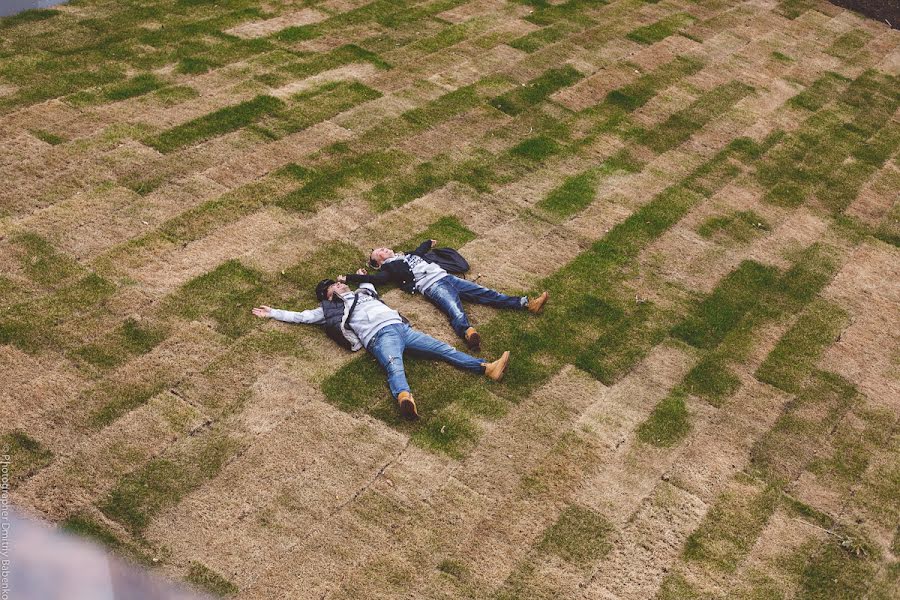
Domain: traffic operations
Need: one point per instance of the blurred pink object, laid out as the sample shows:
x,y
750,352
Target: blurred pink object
x,y
41,563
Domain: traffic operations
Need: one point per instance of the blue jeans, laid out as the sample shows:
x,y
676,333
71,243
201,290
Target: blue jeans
x,y
447,294
389,343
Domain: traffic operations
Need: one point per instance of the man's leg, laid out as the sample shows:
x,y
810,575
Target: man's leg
x,y
472,292
429,347
445,296
387,347
425,345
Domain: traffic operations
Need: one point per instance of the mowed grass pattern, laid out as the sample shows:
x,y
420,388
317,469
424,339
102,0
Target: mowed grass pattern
x,y
707,189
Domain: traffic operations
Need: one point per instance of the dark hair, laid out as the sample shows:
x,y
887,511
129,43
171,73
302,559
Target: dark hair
x,y
372,261
322,289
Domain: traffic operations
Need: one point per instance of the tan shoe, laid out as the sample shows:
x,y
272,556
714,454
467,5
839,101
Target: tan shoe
x,y
535,306
473,340
496,369
407,406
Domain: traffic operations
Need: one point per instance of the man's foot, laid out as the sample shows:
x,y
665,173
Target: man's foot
x,y
496,369
535,306
473,340
407,406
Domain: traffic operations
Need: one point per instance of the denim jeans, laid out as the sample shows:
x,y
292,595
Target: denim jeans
x,y
447,294
389,343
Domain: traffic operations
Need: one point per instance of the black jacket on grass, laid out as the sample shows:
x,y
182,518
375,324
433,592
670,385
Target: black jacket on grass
x,y
393,271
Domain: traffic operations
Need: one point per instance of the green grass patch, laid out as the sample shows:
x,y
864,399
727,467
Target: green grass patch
x,y
680,126
201,220
536,40
175,94
577,191
324,185
820,158
209,581
635,95
849,44
828,571
47,137
781,57
27,456
117,400
442,108
794,8
669,423
676,587
739,226
536,149
34,15
571,11
448,231
86,527
730,528
712,379
455,569
630,333
405,187
41,262
792,360
30,326
719,313
537,90
525,583
823,90
314,106
225,295
849,462
217,123
129,339
813,268
579,536
162,482
321,62
449,36
449,430
656,32
136,86
193,65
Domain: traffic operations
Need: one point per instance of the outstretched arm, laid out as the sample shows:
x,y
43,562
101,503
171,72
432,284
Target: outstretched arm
x,y
314,316
424,247
380,278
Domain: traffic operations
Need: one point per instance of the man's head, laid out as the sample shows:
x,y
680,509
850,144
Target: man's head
x,y
327,288
379,255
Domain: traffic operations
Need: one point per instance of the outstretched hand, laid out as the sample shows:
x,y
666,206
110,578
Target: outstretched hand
x,y
433,243
263,311
342,279
361,271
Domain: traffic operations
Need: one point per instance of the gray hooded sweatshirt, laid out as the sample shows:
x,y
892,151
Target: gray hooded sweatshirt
x,y
369,317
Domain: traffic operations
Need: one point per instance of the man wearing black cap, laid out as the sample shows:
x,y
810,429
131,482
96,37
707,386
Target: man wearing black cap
x,y
365,321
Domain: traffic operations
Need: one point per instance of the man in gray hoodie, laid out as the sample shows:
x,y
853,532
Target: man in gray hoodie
x,y
367,322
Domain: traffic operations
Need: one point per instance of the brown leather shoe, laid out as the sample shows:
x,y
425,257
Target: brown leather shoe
x,y
473,340
407,406
496,369
535,306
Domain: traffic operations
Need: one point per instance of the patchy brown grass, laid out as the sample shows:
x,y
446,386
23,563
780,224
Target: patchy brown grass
x,y
168,165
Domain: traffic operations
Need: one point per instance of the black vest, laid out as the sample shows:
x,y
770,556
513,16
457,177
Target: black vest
x,y
333,311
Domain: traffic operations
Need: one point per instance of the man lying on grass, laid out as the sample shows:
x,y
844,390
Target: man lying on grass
x,y
365,321
413,273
